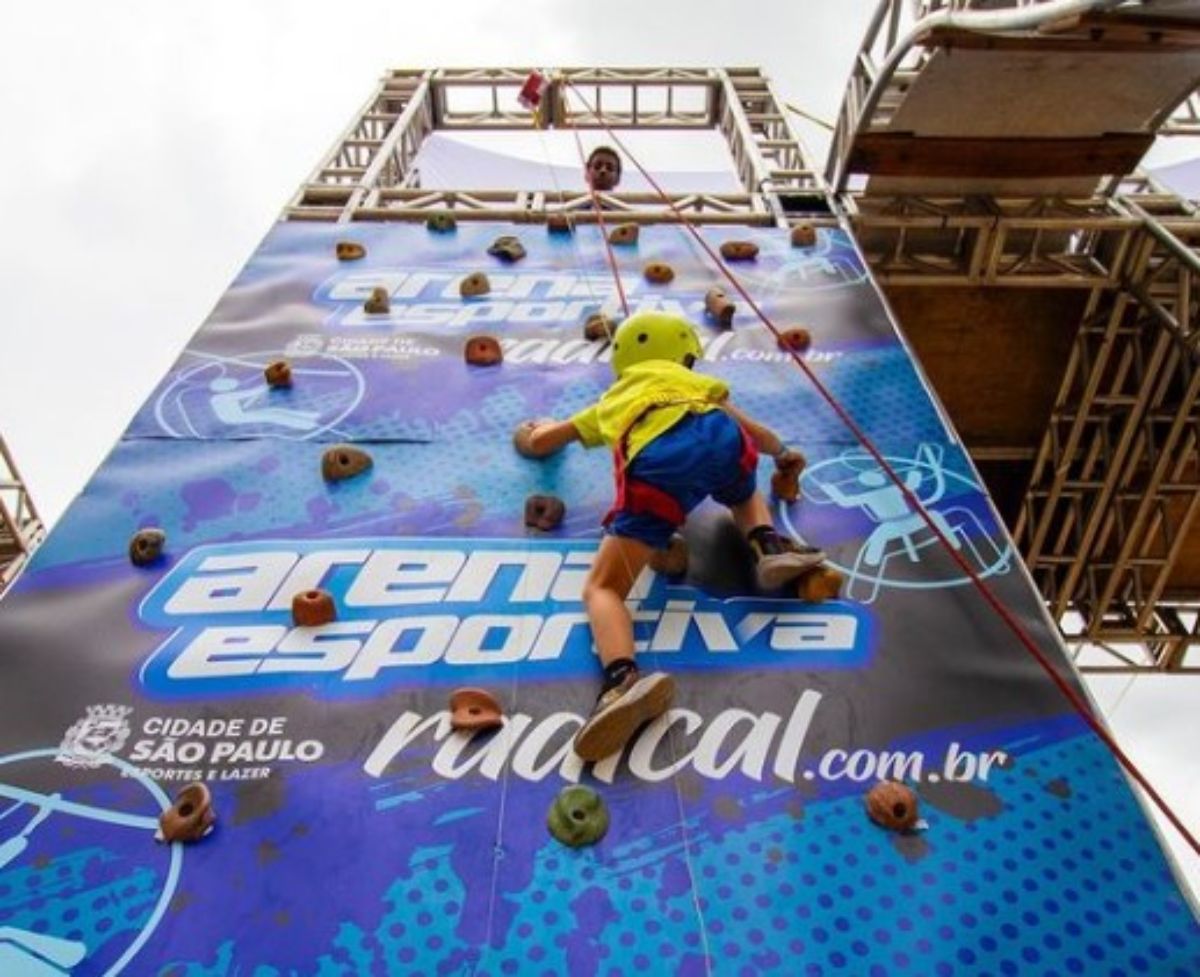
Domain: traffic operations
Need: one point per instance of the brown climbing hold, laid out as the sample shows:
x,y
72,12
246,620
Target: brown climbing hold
x,y
377,302
312,608
658,273
146,546
544,512
441,223
892,805
804,236
797,340
623,234
719,307
507,248
278,374
474,284
343,461
559,224
475,709
739,250
483,351
190,818
349,251
673,561
598,327
785,480
823,583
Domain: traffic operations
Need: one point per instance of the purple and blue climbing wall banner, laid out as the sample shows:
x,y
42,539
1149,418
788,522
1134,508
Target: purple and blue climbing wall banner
x,y
358,833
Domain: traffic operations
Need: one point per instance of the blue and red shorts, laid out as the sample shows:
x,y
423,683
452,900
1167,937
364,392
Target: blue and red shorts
x,y
702,455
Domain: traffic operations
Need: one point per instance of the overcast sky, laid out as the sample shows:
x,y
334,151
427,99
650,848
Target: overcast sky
x,y
150,145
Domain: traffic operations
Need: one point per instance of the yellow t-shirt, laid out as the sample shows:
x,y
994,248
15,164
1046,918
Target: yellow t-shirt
x,y
660,392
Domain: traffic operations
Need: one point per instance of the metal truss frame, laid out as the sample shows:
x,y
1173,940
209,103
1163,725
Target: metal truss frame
x,y
369,173
21,528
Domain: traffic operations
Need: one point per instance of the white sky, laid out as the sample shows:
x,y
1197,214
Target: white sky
x,y
150,144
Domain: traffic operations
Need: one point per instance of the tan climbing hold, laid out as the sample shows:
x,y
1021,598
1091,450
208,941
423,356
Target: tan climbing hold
x,y
623,234
483,351
146,547
739,250
598,327
658,273
475,709
343,461
673,561
189,818
892,805
278,374
785,480
545,512
378,302
719,307
349,251
804,236
823,583
474,284
441,223
312,608
507,248
559,224
796,340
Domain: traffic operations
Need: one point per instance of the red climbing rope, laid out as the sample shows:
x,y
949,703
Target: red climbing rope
x,y
1072,697
612,257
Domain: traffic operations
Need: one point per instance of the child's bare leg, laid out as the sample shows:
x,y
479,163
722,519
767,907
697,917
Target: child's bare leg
x,y
751,514
618,564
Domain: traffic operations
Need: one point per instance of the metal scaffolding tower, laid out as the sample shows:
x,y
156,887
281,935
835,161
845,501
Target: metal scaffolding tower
x,y
1019,219
21,528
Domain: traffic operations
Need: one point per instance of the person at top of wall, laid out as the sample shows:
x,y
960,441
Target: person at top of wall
x,y
603,169
676,439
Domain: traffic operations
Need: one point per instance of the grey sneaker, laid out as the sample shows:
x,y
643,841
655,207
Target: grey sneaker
x,y
621,710
773,570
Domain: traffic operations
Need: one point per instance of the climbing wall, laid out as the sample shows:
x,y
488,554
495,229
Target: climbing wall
x,y
358,834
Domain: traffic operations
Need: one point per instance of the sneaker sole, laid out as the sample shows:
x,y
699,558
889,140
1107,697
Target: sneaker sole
x,y
648,699
779,573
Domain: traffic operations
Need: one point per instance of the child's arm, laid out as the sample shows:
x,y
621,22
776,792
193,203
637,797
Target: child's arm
x,y
538,439
766,440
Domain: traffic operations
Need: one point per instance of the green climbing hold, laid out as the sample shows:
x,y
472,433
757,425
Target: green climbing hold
x,y
578,816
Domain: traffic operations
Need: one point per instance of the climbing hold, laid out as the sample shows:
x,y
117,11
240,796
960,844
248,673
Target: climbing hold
x,y
475,709
483,351
804,236
892,805
739,250
718,306
507,248
278,374
658,272
146,546
441,223
349,250
623,234
598,327
474,284
578,816
559,224
822,583
544,512
673,561
312,608
190,818
377,302
797,340
785,480
343,461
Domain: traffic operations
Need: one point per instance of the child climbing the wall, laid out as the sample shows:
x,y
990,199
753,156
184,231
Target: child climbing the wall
x,y
676,439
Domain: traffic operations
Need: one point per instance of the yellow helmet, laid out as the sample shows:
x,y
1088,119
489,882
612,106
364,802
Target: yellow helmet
x,y
655,336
